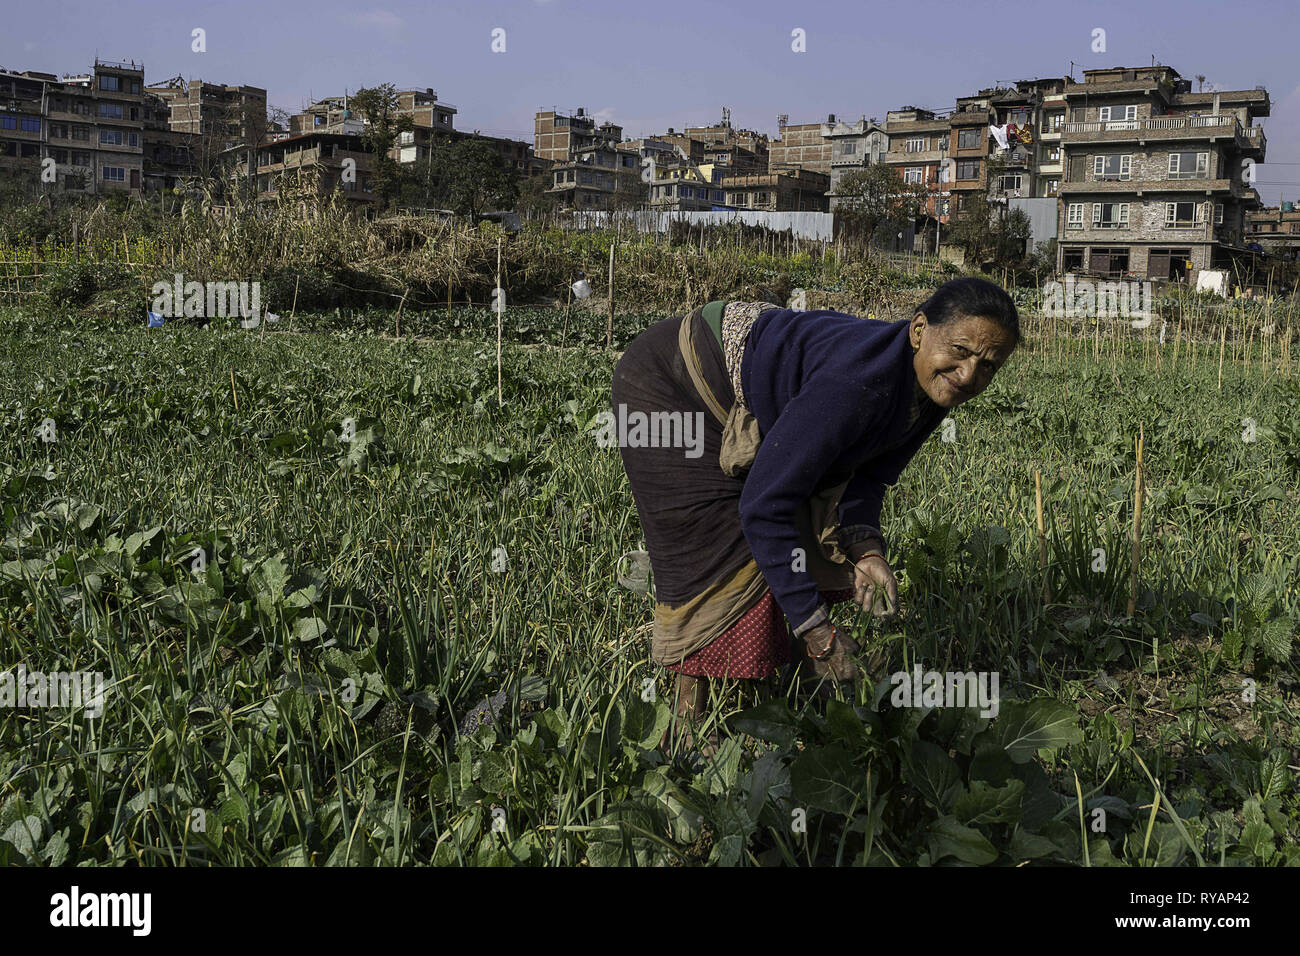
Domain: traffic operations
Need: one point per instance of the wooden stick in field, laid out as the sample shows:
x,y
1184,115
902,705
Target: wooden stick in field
x,y
609,321
232,389
1042,533
1136,555
1223,337
500,309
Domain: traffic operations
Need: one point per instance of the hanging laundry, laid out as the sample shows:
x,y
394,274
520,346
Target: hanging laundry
x,y
1026,136
1000,134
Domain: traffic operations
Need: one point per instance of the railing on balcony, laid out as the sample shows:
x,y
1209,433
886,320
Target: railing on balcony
x,y
1167,122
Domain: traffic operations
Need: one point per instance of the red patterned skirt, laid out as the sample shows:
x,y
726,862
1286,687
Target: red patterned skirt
x,y
753,647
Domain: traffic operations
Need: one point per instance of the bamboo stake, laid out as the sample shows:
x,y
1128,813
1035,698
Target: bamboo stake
x,y
609,321
293,309
232,389
500,310
398,328
1136,556
1042,533
1223,337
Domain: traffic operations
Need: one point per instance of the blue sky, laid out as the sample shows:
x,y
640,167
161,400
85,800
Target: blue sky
x,y
648,66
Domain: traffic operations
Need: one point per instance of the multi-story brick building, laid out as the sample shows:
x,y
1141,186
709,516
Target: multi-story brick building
x,y
309,165
221,115
781,190
918,143
91,126
1154,179
1274,229
559,138
806,146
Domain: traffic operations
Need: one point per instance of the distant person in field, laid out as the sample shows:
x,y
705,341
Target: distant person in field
x,y
807,418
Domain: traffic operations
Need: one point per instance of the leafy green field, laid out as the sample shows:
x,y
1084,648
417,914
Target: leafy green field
x,y
293,626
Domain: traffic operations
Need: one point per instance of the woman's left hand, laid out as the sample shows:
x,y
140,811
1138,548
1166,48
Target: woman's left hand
x,y
874,585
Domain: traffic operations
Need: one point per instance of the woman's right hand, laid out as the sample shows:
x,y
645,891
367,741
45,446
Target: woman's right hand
x,y
875,588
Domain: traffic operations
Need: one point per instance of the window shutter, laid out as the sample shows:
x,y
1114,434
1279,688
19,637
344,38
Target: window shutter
x,y
1098,164
1125,165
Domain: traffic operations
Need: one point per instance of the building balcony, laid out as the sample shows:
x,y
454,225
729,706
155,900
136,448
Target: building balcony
x,y
1157,129
1140,187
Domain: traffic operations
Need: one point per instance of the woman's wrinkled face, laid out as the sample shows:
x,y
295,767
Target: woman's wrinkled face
x,y
955,361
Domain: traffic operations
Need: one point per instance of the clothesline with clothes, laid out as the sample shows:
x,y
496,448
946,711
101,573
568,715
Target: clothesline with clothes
x,y
1009,134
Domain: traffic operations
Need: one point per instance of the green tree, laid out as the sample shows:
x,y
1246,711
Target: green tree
x,y
379,106
475,177
875,203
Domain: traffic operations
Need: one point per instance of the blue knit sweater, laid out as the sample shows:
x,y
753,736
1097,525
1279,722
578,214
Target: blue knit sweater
x,y
831,393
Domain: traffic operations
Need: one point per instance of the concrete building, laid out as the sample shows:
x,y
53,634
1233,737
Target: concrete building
x,y
601,176
1154,184
855,146
91,126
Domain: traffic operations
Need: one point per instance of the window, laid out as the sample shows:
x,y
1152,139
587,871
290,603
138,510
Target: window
x,y
1072,259
8,122
1051,187
1189,165
945,207
1112,167
1075,220
1052,154
916,145
968,139
1011,182
60,156
110,83
1109,215
80,158
1183,215
133,139
717,195
1110,262
30,124
58,131
968,169
110,137
1105,113
1218,214
849,148
110,110
913,174
135,86
1052,122
115,174
81,133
